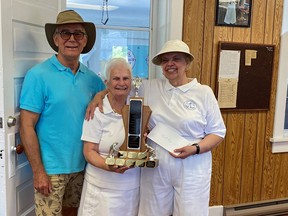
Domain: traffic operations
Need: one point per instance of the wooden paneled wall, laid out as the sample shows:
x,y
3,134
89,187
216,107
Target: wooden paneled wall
x,y
244,169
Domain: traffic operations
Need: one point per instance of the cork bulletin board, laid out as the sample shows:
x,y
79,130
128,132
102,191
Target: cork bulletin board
x,y
244,76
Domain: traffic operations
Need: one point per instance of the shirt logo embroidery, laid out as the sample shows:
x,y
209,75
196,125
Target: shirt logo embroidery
x,y
189,105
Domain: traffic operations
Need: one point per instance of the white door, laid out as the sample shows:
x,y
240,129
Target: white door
x,y
22,45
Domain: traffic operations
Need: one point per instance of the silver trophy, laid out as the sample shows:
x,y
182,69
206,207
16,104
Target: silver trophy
x,y
137,83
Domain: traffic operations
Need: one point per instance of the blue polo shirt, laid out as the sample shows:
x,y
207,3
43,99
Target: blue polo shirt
x,y
60,98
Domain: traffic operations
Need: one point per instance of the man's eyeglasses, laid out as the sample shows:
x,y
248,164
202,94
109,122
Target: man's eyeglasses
x,y
78,35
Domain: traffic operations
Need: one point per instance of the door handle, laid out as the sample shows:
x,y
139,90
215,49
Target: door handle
x,y
18,149
11,121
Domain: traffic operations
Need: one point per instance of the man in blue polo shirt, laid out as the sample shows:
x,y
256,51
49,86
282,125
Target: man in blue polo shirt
x,y
53,101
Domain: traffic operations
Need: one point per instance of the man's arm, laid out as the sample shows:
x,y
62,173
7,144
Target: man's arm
x,y
30,142
97,101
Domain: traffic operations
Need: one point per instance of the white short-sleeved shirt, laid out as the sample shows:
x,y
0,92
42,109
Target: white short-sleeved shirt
x,y
191,109
105,129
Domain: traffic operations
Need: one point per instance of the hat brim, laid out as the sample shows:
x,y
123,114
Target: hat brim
x,y
157,58
89,28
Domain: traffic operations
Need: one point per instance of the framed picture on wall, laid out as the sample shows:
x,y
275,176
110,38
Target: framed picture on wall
x,y
235,13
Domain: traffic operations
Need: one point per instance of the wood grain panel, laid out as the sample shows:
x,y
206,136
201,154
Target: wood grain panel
x,y
217,182
269,22
196,28
241,35
258,21
259,151
208,48
269,159
268,169
248,157
244,169
281,179
233,158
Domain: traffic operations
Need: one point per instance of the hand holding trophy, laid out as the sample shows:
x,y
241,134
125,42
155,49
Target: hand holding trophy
x,y
134,151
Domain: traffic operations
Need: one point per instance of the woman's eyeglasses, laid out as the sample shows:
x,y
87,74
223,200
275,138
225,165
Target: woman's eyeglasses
x,y
176,58
78,35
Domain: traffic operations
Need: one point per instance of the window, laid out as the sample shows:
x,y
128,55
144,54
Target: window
x,y
133,45
126,32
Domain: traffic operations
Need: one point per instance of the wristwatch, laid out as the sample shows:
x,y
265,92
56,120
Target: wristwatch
x,y
197,147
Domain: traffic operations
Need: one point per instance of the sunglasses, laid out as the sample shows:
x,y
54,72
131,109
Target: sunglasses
x,y
65,35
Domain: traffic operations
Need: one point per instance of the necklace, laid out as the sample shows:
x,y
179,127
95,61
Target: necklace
x,y
115,111
116,105
115,108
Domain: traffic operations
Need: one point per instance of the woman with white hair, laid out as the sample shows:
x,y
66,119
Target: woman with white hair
x,y
109,190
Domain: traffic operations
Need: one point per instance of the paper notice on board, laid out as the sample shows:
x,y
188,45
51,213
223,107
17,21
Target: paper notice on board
x,y
227,93
229,64
249,55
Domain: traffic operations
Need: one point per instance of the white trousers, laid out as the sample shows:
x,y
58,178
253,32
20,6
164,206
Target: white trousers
x,y
177,186
97,201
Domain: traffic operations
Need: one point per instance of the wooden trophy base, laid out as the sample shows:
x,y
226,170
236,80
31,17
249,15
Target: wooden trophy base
x,y
134,151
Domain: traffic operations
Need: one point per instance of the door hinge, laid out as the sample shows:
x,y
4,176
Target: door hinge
x,y
1,122
1,154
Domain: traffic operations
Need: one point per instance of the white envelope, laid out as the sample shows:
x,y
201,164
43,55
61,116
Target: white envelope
x,y
167,137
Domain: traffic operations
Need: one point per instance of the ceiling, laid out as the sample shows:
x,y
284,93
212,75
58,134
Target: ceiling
x,y
130,13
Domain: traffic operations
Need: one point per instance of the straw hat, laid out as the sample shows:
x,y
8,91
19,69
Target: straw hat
x,y
71,17
173,46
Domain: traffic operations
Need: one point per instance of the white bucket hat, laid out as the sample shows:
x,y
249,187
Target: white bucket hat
x,y
172,46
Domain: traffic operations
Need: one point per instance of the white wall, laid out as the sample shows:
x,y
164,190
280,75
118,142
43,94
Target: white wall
x,y
280,137
167,25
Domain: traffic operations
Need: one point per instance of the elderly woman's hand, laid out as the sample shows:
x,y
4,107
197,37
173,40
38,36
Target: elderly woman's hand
x,y
184,152
118,169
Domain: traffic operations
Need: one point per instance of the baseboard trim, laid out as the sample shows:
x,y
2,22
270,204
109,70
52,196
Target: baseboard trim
x,y
216,210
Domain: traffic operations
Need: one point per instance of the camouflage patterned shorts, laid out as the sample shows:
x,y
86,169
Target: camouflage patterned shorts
x,y
66,191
